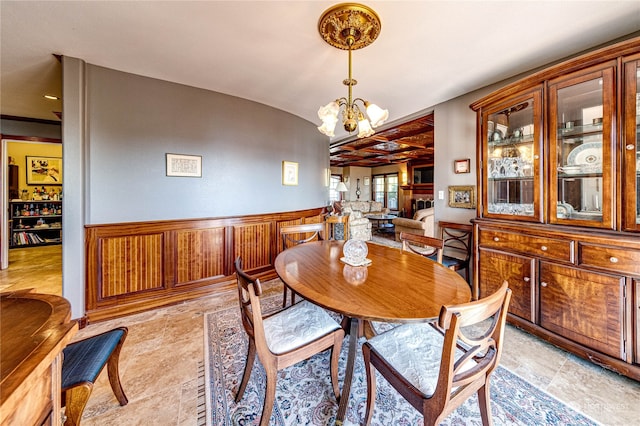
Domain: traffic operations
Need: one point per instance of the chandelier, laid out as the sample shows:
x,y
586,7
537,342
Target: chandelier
x,y
350,26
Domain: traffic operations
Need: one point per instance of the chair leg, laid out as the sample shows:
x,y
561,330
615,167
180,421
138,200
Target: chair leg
x,y
248,366
371,385
485,404
269,395
114,375
335,358
76,399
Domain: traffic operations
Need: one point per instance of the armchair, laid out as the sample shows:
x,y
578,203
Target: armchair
x,y
359,226
423,223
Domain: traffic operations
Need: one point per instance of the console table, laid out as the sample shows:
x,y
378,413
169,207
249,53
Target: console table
x,y
34,329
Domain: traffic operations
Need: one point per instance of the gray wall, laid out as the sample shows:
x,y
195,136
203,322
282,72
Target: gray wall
x,y
117,129
134,121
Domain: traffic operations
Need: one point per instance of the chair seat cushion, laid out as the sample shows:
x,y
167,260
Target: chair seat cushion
x,y
84,360
414,350
296,326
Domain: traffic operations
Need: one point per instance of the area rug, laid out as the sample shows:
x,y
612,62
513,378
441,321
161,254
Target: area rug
x,y
304,395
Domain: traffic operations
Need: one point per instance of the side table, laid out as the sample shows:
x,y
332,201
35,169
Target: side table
x,y
330,224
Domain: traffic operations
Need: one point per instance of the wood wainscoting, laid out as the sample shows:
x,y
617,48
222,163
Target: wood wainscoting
x,y
132,267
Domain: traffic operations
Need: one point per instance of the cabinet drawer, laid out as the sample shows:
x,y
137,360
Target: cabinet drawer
x,y
612,258
547,248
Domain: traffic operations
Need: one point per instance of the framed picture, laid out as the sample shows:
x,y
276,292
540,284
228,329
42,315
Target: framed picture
x,y
184,165
289,173
462,166
462,196
44,170
366,181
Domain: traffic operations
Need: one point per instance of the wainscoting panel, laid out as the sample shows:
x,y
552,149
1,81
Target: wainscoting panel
x,y
253,243
132,267
199,254
131,264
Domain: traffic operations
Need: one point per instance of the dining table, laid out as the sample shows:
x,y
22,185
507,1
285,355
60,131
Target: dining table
x,y
396,287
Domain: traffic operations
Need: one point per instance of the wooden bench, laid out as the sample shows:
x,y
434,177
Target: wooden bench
x,y
82,363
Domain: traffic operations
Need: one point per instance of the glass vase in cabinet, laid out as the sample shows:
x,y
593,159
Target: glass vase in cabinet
x,y
580,148
511,158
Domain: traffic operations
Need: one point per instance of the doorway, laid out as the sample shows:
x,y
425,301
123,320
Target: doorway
x,y
31,215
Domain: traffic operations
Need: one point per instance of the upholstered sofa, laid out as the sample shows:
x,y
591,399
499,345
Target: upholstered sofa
x,y
365,207
423,223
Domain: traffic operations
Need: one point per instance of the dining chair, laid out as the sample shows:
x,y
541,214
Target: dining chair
x,y
284,338
436,366
422,245
293,235
456,254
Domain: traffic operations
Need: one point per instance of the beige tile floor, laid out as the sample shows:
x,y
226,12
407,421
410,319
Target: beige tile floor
x,y
161,359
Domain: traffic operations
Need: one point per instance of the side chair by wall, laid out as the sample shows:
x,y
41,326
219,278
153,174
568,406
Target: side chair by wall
x,y
457,239
437,366
293,235
284,338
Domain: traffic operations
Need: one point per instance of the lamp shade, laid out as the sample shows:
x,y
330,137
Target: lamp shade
x,y
377,115
342,187
364,128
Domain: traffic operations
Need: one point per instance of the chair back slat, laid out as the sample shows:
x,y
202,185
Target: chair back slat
x,y
478,328
457,239
422,245
297,234
249,291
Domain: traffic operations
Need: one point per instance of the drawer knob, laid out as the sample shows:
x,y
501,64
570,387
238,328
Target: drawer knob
x,y
496,239
613,259
535,157
543,284
526,279
543,248
630,147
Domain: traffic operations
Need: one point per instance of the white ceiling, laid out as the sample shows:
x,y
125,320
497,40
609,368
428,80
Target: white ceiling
x,y
271,52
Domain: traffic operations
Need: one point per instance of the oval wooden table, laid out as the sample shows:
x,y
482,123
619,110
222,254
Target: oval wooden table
x,y
395,287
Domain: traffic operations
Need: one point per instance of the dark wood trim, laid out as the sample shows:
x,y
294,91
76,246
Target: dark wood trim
x,y
30,139
29,119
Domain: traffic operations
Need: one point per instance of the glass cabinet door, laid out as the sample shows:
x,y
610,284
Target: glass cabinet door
x,y
511,158
580,151
631,147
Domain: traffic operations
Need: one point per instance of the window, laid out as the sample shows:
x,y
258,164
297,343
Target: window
x,y
333,194
385,190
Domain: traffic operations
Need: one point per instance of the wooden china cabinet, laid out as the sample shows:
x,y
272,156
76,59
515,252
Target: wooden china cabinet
x,y
559,204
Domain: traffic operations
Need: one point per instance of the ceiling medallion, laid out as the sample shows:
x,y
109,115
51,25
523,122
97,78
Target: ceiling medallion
x,y
349,19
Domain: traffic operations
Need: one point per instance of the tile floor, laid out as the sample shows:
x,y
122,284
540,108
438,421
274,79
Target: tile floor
x,y
160,363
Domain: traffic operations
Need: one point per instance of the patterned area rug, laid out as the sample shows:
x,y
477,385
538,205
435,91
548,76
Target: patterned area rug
x,y
304,395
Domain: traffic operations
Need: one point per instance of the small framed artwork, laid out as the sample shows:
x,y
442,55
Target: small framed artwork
x,y
462,196
289,173
44,170
462,166
366,181
181,165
